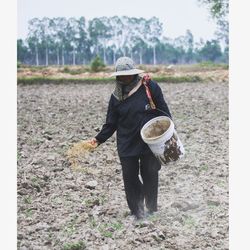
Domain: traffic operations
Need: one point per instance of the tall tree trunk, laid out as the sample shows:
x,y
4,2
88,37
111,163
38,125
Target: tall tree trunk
x,y
62,56
57,55
140,56
37,60
83,59
104,55
46,56
114,59
97,50
131,54
74,57
154,55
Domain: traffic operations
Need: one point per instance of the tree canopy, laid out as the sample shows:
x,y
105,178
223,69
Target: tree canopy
x,y
219,10
61,41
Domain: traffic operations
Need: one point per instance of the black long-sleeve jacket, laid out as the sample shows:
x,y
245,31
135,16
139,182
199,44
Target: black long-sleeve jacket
x,y
128,117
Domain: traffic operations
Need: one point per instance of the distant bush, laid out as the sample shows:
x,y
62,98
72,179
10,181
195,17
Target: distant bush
x,y
178,79
65,70
37,68
74,71
97,65
209,64
19,64
142,67
154,69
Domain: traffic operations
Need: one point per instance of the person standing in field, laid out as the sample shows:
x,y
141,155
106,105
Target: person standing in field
x,y
129,109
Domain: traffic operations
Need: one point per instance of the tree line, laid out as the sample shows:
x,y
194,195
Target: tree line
x,y
72,41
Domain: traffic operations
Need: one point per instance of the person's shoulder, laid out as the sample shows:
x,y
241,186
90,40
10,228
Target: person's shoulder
x,y
113,99
153,84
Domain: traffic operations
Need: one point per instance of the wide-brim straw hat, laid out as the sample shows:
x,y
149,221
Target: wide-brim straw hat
x,y
125,66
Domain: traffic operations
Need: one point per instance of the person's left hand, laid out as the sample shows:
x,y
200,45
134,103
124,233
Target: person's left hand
x,y
93,142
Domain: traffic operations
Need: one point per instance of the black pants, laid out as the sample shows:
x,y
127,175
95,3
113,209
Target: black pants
x,y
148,167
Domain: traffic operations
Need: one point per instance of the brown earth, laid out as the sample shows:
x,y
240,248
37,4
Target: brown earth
x,y
211,74
60,207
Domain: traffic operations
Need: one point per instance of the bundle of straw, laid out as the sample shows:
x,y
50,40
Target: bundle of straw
x,y
77,153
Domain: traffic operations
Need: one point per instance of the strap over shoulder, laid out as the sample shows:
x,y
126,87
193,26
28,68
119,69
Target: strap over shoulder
x,y
145,80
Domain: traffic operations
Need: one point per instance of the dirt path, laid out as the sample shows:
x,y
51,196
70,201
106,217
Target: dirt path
x,y
59,209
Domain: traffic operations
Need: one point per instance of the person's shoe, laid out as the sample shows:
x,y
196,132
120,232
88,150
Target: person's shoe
x,y
151,208
139,214
151,211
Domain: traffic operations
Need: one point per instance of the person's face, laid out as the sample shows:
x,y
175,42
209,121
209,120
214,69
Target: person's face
x,y
125,79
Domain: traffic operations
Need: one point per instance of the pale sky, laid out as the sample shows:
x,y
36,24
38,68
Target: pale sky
x,y
176,15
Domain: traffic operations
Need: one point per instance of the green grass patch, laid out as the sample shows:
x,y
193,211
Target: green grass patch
x,y
29,212
70,228
222,183
203,168
18,156
92,223
94,80
107,230
27,200
189,222
94,201
80,245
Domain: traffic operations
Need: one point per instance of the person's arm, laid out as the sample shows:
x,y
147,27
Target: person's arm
x,y
110,125
160,101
